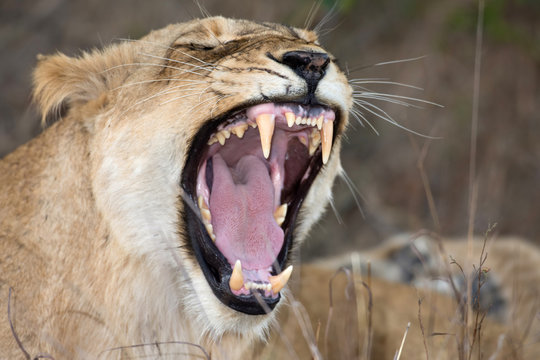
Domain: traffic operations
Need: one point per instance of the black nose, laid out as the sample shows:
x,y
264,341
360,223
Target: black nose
x,y
309,65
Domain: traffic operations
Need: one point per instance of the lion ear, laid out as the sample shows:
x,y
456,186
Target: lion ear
x,y
61,81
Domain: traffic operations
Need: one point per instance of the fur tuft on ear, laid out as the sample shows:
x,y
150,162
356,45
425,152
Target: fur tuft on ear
x,y
61,81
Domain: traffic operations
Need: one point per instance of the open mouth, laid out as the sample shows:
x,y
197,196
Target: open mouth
x,y
248,173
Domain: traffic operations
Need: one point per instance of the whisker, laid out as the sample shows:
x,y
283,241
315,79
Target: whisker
x,y
311,14
206,67
336,212
166,47
355,83
363,94
400,61
326,19
163,92
184,96
363,67
358,114
158,80
390,100
353,189
384,116
157,65
201,103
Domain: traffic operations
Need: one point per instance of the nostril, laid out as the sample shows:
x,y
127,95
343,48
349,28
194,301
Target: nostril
x,y
306,62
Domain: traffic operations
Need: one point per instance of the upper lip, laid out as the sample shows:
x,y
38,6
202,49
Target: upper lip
x,y
214,264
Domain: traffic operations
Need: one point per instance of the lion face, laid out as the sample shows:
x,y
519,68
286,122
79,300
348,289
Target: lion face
x,y
214,150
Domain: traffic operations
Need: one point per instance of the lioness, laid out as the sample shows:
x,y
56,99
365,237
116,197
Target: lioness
x,y
159,216
166,202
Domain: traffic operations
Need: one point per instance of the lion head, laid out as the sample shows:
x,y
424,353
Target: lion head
x,y
213,146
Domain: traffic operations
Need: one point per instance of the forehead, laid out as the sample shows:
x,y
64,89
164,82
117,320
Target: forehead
x,y
231,29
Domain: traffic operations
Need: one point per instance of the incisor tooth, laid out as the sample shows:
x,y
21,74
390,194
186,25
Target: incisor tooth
x,y
280,214
279,281
290,118
326,137
266,123
237,280
298,120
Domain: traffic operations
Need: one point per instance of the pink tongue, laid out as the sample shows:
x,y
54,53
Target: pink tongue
x,y
242,207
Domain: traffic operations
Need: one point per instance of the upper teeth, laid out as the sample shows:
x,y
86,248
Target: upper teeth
x,y
265,122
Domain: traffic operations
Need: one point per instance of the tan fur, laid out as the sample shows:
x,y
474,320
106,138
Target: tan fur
x,y
91,240
92,247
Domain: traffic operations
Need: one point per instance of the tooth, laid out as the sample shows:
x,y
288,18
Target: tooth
x,y
266,123
237,280
320,120
227,133
290,118
240,130
206,215
210,231
280,214
304,120
326,137
298,120
221,138
303,140
314,141
279,281
212,140
200,202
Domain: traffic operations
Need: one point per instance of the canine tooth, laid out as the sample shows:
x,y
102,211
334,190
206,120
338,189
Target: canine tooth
x,y
280,214
279,281
303,140
266,123
237,280
221,138
320,120
298,120
290,118
326,137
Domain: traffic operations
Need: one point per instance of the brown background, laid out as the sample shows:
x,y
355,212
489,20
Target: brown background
x,y
361,33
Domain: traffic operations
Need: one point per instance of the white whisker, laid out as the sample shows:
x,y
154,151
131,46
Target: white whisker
x,y
200,93
384,116
358,114
385,82
159,80
365,94
400,61
169,48
353,189
206,67
157,65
